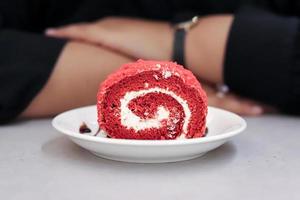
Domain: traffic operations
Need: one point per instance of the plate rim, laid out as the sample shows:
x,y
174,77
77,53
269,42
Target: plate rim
x,y
207,139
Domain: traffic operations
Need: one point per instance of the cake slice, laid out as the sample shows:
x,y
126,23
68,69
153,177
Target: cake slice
x,y
152,100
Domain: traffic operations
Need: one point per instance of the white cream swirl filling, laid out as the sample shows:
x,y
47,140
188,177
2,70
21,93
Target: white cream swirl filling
x,y
130,120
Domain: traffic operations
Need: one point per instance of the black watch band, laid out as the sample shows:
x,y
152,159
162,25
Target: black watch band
x,y
178,46
179,39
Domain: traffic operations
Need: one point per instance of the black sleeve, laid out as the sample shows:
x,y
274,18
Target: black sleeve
x,y
262,58
26,61
27,57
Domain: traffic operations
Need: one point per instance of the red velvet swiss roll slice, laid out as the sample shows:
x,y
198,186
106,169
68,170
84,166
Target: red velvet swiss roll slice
x,y
152,100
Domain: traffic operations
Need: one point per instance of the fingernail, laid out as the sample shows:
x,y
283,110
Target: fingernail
x,y
257,110
50,31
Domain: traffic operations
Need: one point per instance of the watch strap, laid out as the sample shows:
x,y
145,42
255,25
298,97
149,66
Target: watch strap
x,y
178,46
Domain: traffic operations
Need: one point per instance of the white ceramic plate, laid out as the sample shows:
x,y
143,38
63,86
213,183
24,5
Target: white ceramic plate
x,y
222,126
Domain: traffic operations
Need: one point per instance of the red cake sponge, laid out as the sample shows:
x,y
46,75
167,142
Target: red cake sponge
x,y
152,100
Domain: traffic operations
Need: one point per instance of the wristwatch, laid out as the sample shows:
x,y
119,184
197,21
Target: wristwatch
x,y
179,39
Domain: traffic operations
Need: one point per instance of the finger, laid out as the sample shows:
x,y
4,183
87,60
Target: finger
x,y
266,108
208,89
269,109
81,31
235,104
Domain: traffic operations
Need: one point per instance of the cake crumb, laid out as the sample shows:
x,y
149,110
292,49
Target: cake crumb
x,y
166,74
84,128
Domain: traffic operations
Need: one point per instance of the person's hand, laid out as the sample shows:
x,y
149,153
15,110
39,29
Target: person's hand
x,y
232,102
134,37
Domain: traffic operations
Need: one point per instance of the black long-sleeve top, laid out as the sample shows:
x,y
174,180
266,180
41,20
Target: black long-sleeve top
x,y
262,59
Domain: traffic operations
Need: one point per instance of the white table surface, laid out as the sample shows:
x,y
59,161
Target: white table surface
x,y
36,162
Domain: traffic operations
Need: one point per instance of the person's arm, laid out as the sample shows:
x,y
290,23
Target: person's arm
x,y
257,55
255,52
205,47
205,43
75,79
153,40
262,58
